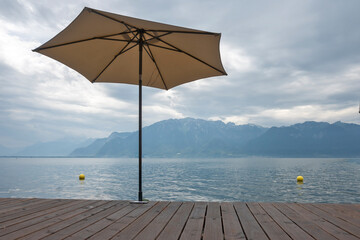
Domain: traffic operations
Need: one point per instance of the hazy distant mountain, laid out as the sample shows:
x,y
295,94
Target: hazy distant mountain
x,y
5,151
61,147
308,139
180,138
200,138
92,149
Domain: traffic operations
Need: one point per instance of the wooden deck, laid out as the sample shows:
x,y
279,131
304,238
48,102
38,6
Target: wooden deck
x,y
94,219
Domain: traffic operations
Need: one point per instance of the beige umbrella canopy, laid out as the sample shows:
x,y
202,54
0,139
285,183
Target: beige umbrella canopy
x,y
107,47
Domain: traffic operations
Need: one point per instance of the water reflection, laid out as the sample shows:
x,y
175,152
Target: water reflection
x,y
244,179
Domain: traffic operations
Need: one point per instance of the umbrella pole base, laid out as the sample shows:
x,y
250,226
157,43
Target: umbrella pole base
x,y
139,202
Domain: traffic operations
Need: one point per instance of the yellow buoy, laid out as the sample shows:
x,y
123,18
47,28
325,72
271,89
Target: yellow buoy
x,y
81,177
300,179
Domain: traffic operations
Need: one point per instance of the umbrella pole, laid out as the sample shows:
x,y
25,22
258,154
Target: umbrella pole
x,y
140,197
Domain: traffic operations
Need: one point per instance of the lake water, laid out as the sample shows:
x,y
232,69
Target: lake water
x,y
242,179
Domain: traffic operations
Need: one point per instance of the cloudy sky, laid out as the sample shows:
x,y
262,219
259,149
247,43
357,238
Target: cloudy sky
x,y
288,62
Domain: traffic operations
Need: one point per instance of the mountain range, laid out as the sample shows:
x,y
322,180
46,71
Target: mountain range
x,y
308,139
200,138
176,138
190,137
59,148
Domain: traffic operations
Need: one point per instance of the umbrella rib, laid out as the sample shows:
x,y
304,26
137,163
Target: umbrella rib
x,y
83,40
149,52
63,44
147,32
152,38
187,32
125,24
118,40
190,55
128,49
171,49
128,26
158,36
121,52
152,30
114,19
156,65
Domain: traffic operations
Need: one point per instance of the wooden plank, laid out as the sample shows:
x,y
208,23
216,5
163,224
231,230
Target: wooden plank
x,y
308,226
327,226
271,228
103,223
350,228
80,219
40,223
176,224
11,201
4,201
136,227
36,212
24,210
152,230
119,225
351,209
354,208
19,205
231,223
294,231
37,222
251,227
16,202
213,223
84,220
337,210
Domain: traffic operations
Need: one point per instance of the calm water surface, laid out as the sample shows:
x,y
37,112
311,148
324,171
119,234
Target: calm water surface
x,y
242,179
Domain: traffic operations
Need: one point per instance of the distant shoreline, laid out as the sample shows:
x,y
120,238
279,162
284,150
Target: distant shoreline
x,y
194,157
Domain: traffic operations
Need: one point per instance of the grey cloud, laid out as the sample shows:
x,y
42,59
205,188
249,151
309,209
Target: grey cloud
x,y
301,52
305,35
12,10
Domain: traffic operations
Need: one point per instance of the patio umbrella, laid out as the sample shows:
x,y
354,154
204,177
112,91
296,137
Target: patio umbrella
x,y
107,47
